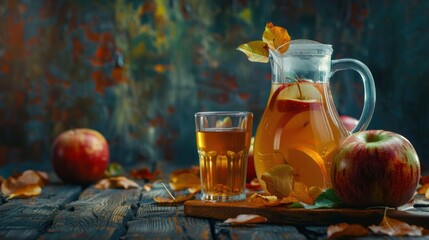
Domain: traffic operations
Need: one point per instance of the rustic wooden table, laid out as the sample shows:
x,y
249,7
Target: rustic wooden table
x,y
75,212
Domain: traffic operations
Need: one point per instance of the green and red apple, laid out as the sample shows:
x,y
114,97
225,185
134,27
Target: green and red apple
x,y
80,156
375,168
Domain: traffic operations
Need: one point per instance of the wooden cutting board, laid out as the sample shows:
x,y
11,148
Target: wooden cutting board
x,y
299,216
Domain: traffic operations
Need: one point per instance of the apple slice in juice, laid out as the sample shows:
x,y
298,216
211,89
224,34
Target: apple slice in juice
x,y
302,96
308,166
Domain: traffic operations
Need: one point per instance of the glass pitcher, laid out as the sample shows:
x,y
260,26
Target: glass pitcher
x,y
300,125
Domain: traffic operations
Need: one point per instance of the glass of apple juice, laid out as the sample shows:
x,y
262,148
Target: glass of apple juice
x,y
223,142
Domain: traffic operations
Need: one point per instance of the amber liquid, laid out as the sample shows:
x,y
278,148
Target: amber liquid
x,y
223,163
299,127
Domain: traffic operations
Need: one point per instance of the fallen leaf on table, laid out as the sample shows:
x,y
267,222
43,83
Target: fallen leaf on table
x,y
184,179
26,191
116,182
114,170
175,200
394,227
148,186
26,184
346,230
246,218
144,173
279,180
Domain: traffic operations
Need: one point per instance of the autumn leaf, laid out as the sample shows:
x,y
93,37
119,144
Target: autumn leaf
x,y
327,199
300,192
144,173
269,201
279,180
394,227
176,200
256,51
26,191
116,182
246,218
114,170
343,230
26,184
276,37
184,179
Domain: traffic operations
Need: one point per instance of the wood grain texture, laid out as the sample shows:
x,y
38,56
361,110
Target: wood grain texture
x,y
35,213
97,209
283,215
169,228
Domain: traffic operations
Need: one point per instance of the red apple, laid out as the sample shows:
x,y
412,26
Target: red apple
x,y
80,156
349,122
375,168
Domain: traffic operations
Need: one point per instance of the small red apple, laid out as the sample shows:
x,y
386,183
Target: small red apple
x,y
80,156
375,168
349,122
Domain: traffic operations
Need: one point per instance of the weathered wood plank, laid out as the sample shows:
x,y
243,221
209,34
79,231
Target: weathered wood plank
x,y
89,233
169,228
18,233
99,213
256,231
20,218
155,210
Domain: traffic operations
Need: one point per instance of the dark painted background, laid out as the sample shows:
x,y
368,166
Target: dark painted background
x,y
138,70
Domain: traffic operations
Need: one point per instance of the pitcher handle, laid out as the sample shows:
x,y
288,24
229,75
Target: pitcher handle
x,y
368,85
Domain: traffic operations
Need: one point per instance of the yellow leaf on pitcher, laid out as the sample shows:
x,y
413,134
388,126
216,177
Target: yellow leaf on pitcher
x,y
256,51
276,37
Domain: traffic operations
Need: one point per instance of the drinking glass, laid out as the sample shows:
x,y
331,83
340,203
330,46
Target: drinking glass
x,y
223,142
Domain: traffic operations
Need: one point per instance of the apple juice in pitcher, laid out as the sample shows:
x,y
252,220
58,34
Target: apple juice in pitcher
x,y
300,126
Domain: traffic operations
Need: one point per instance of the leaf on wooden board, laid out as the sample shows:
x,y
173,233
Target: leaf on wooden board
x,y
26,184
246,218
279,180
328,199
276,37
185,179
145,174
176,200
256,51
300,192
114,170
395,227
116,182
344,230
269,200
